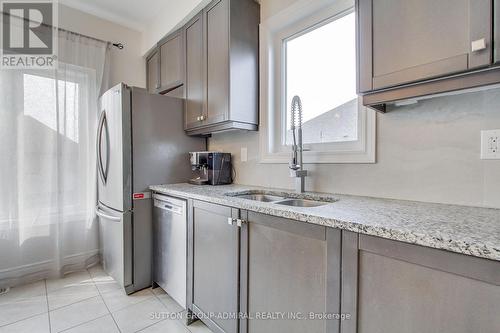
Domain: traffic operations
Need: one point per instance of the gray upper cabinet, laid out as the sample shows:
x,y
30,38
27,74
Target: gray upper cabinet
x,y
215,57
217,25
172,61
195,73
215,265
230,67
289,267
152,72
394,287
416,41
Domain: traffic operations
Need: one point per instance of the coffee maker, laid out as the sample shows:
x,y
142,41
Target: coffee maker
x,y
211,168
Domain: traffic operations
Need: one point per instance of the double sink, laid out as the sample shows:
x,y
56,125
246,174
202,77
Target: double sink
x,y
282,200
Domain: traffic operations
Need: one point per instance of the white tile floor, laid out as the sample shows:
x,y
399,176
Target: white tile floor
x,y
88,302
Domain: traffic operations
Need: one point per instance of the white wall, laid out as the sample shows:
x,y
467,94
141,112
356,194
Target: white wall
x,y
127,65
425,152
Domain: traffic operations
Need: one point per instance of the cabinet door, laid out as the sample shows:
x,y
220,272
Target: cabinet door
x,y
496,31
152,71
215,265
171,63
195,73
217,25
289,267
404,288
420,39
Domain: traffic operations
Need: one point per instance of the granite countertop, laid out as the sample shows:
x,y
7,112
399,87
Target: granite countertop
x,y
467,230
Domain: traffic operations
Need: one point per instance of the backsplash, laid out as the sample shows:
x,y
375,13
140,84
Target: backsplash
x,y
428,151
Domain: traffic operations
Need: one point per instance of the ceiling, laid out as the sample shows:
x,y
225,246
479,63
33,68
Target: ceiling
x,y
135,14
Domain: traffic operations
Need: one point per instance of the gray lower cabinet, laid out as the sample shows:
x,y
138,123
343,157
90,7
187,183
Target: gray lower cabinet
x,y
275,275
394,287
291,269
214,255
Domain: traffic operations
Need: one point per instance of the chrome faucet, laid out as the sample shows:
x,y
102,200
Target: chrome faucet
x,y
296,164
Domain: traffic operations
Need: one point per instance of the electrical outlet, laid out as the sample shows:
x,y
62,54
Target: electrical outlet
x,y
490,145
244,154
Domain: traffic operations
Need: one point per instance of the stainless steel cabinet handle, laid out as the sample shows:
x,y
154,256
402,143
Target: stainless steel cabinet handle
x,y
238,222
478,45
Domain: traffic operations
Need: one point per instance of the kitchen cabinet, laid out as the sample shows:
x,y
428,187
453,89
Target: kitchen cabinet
x,y
402,43
195,73
217,26
215,57
153,72
389,286
243,262
262,264
215,265
171,61
496,31
291,268
229,70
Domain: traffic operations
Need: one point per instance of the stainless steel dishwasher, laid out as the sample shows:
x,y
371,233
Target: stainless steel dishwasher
x,y
170,246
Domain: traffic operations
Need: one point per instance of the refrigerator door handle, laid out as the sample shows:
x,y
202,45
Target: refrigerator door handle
x,y
103,124
100,213
108,147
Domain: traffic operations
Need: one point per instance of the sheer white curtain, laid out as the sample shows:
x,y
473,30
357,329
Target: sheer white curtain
x,y
47,163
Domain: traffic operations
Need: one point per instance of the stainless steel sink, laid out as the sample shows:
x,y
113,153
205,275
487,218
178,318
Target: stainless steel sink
x,y
278,199
260,197
301,203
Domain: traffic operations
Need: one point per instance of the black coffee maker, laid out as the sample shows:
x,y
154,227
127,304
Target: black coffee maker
x,y
211,168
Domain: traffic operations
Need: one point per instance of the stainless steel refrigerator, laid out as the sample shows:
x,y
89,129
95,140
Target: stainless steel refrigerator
x,y
140,142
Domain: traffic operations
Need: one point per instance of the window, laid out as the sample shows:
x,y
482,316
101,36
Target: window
x,y
39,103
321,69
309,50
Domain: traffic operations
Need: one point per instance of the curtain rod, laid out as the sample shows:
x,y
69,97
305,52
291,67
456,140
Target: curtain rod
x,y
118,45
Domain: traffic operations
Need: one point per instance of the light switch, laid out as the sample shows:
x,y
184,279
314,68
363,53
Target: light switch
x,y
490,145
244,154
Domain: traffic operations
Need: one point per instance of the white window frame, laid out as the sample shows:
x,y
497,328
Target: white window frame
x,y
294,21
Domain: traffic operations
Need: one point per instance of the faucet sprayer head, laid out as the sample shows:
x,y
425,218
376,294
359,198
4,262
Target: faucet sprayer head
x,y
296,118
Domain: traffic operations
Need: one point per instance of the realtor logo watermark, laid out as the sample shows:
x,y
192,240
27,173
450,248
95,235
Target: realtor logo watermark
x,y
29,34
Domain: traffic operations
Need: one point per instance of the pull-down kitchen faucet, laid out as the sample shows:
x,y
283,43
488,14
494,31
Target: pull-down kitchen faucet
x,y
296,165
